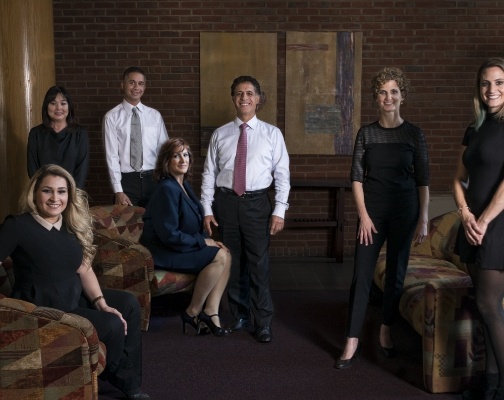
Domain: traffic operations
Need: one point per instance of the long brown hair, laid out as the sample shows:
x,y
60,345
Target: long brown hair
x,y
168,149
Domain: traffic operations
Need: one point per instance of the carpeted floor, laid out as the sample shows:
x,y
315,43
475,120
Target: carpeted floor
x,y
309,333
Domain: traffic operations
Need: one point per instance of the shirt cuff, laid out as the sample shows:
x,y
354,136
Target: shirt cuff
x,y
207,209
279,210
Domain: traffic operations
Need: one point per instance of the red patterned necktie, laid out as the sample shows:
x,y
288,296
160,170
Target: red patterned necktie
x,y
240,167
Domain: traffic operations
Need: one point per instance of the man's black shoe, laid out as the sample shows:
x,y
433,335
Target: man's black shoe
x,y
263,334
136,395
239,325
131,394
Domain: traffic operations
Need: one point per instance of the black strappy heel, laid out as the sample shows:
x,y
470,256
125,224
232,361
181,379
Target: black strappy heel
x,y
205,320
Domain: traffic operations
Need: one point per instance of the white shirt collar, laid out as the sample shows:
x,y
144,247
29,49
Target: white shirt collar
x,y
129,107
46,224
252,123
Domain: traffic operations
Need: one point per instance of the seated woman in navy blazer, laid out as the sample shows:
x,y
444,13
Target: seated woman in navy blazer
x,y
173,233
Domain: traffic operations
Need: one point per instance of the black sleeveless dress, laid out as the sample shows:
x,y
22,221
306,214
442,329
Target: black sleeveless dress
x,y
484,160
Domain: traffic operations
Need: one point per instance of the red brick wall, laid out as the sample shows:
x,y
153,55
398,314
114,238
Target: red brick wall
x,y
439,44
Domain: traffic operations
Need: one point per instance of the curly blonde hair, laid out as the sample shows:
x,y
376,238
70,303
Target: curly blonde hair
x,y
76,216
390,74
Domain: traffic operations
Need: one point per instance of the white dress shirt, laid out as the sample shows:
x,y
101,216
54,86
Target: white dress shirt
x,y
267,158
116,136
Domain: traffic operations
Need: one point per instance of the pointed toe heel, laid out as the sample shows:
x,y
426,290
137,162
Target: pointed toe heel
x,y
343,364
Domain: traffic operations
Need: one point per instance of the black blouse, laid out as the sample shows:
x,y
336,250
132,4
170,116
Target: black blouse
x,y
390,162
68,148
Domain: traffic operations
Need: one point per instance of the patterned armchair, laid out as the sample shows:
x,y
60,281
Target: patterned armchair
x,y
438,302
45,353
122,263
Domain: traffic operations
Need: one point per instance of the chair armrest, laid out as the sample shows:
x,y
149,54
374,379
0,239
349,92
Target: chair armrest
x,y
453,341
122,264
109,247
6,276
44,348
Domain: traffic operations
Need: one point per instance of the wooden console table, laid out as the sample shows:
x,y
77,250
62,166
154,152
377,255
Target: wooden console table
x,y
334,221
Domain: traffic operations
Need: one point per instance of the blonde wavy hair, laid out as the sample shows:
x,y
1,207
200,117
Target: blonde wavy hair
x,y
390,74
76,216
480,108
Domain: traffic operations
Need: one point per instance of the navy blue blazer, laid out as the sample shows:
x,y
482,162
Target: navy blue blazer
x,y
172,219
172,222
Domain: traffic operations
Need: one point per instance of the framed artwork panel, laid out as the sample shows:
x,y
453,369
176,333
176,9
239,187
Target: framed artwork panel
x,y
323,91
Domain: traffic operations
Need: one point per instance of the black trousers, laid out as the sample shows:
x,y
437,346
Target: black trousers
x,y
396,224
124,352
244,229
138,186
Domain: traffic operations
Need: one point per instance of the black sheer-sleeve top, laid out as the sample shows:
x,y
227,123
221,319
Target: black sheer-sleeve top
x,y
390,162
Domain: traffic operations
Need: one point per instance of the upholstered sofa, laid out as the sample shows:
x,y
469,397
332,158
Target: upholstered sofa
x,y
122,263
45,353
438,302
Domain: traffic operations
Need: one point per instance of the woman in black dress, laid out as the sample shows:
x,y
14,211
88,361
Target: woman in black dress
x,y
59,139
479,194
51,246
390,177
173,233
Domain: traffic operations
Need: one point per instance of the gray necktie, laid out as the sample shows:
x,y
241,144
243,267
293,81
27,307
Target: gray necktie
x,y
136,152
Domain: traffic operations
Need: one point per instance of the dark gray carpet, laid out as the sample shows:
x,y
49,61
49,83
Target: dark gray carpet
x,y
309,333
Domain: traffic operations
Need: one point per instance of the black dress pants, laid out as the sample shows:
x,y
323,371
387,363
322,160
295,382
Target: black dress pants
x,y
395,224
124,352
138,186
244,229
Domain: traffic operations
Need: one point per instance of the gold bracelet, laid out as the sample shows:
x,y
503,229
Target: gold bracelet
x,y
96,299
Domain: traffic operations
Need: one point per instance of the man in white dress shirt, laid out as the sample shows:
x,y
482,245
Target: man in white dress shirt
x,y
132,185
246,220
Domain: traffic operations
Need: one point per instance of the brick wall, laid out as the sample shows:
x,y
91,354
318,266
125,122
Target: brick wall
x,y
439,44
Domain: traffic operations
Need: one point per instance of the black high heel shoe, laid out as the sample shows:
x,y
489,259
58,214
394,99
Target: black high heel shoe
x,y
342,364
187,319
205,320
389,352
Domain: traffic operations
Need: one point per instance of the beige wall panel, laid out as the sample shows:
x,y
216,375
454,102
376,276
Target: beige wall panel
x,y
27,62
225,56
310,89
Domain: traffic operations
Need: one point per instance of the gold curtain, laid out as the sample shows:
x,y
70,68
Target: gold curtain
x,y
27,65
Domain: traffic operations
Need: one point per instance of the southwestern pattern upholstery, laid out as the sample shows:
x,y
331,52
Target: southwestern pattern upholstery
x,y
45,353
122,263
438,302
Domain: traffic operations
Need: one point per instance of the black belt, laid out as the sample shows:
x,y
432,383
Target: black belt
x,y
245,195
141,174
